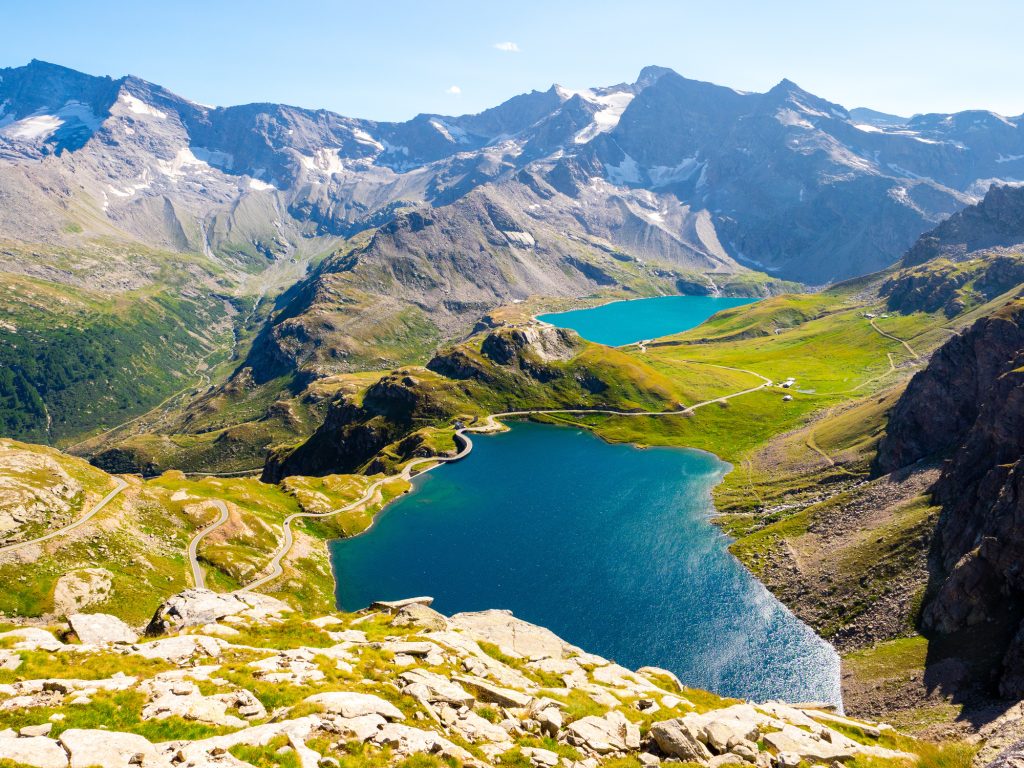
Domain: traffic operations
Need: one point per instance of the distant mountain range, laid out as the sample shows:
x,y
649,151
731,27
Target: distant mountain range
x,y
672,169
417,229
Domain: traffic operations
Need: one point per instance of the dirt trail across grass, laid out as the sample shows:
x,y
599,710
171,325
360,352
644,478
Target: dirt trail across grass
x,y
906,346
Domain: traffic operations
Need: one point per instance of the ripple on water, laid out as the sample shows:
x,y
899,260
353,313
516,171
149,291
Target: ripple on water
x,y
607,545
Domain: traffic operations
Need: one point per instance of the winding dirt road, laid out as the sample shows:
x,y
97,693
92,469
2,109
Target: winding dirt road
x,y
906,346
121,485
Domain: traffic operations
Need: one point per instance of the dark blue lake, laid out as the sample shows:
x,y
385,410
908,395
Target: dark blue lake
x,y
625,322
607,545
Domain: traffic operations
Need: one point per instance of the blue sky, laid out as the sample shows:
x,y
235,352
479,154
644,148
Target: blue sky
x,y
391,60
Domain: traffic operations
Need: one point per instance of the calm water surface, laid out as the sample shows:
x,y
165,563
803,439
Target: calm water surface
x,y
607,545
624,322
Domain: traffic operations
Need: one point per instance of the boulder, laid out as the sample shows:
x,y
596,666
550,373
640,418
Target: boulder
x,y
196,753
550,720
676,738
183,699
37,751
180,649
420,615
493,694
294,667
43,729
394,606
810,746
81,588
350,704
434,688
111,749
542,758
32,639
727,759
604,735
9,660
195,607
406,741
658,672
513,636
101,629
471,726
359,728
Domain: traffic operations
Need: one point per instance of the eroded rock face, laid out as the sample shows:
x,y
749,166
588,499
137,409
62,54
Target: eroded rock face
x,y
544,343
968,404
997,221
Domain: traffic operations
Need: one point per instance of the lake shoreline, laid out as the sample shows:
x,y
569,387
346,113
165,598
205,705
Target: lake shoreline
x,y
438,516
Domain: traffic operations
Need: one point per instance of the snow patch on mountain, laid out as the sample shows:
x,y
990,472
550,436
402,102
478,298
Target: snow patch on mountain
x,y
137,106
214,157
324,162
183,162
41,125
364,138
35,128
981,186
453,133
626,172
261,186
792,119
142,183
612,105
662,175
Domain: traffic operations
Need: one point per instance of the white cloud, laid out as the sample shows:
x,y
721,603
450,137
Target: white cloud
x,y
454,90
507,47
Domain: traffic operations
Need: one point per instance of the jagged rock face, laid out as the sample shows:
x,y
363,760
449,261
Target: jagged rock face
x,y
352,434
944,284
969,404
542,343
998,220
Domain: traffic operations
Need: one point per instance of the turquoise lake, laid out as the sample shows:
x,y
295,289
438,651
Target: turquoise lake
x,y
607,545
626,322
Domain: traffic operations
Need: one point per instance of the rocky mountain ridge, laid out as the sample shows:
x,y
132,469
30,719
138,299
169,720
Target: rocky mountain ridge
x,y
966,405
171,171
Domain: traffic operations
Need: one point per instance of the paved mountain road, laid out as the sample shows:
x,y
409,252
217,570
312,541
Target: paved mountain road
x,y
198,574
274,569
121,485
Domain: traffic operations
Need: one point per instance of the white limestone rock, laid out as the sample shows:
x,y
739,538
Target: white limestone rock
x,y
352,704
101,629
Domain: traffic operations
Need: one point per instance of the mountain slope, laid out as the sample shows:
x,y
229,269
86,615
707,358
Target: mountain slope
x,y
423,227
754,161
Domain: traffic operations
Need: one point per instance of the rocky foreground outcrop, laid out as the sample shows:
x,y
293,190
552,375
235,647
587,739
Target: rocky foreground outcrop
x,y
968,405
242,680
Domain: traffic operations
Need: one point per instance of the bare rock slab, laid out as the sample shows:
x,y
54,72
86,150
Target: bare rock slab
x,y
101,629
